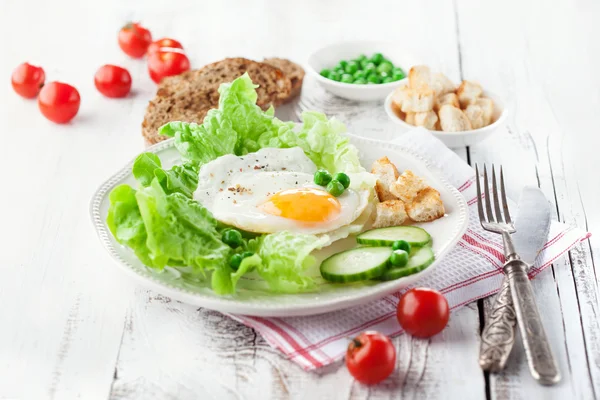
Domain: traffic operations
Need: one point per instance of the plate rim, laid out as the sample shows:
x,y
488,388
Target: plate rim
x,y
237,306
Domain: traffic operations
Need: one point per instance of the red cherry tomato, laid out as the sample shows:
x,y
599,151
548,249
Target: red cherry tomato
x,y
371,357
113,81
167,62
134,39
164,43
27,80
423,312
59,102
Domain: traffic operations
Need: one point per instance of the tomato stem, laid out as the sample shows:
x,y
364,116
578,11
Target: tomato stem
x,y
357,343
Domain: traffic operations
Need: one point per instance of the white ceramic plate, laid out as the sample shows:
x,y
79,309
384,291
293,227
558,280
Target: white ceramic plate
x,y
457,139
329,56
251,298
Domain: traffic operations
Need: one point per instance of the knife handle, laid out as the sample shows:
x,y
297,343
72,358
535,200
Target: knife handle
x,y
498,336
542,362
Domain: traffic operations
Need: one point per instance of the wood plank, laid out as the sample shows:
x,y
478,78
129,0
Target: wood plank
x,y
534,132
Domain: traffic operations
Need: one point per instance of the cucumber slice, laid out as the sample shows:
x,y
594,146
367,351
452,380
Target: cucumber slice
x,y
356,264
415,236
420,260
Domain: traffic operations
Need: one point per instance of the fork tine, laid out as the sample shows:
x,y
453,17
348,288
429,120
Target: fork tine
x,y
504,202
479,200
488,202
495,194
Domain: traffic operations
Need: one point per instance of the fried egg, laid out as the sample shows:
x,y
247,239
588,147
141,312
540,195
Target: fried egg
x,y
272,190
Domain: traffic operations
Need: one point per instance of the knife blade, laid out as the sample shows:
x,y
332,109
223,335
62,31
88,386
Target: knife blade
x,y
532,224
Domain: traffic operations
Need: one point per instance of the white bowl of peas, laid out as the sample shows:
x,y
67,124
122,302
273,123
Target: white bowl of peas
x,y
362,71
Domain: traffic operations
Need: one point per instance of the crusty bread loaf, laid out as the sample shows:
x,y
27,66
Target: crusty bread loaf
x,y
189,96
292,70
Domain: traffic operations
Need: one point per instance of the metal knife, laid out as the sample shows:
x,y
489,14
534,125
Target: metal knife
x,y
532,226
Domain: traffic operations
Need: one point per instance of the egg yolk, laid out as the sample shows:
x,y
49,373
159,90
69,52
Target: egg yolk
x,y
305,204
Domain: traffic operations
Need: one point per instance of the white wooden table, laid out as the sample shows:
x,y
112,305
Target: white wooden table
x,y
73,326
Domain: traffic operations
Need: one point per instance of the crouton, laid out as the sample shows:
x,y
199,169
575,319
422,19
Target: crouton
x,y
448,98
441,84
468,93
426,119
390,213
427,206
386,174
487,105
398,96
410,118
475,115
407,186
419,76
452,119
418,100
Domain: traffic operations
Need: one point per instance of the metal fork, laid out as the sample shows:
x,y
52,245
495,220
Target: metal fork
x,y
515,297
498,336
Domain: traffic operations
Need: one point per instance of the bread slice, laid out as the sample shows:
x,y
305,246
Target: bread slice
x,y
448,98
390,213
487,105
188,96
386,174
398,96
475,115
441,84
418,100
410,118
419,76
452,119
426,206
426,119
468,92
292,70
407,186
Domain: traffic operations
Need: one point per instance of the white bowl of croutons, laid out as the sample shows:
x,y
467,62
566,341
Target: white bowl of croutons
x,y
458,115
328,59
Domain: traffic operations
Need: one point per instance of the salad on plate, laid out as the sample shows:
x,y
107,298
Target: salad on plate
x,y
255,196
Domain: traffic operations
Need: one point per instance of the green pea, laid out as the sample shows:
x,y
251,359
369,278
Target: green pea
x,y
347,78
373,79
341,65
387,79
232,238
322,177
335,188
397,77
351,67
335,76
360,75
235,261
398,70
247,254
325,72
398,74
384,75
343,179
364,63
360,58
386,67
370,67
399,258
377,58
401,245
360,81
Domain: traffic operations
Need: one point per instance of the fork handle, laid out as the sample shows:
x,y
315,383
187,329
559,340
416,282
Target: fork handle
x,y
498,336
542,362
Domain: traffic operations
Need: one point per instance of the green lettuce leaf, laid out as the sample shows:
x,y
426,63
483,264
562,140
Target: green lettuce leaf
x,y
125,222
179,179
